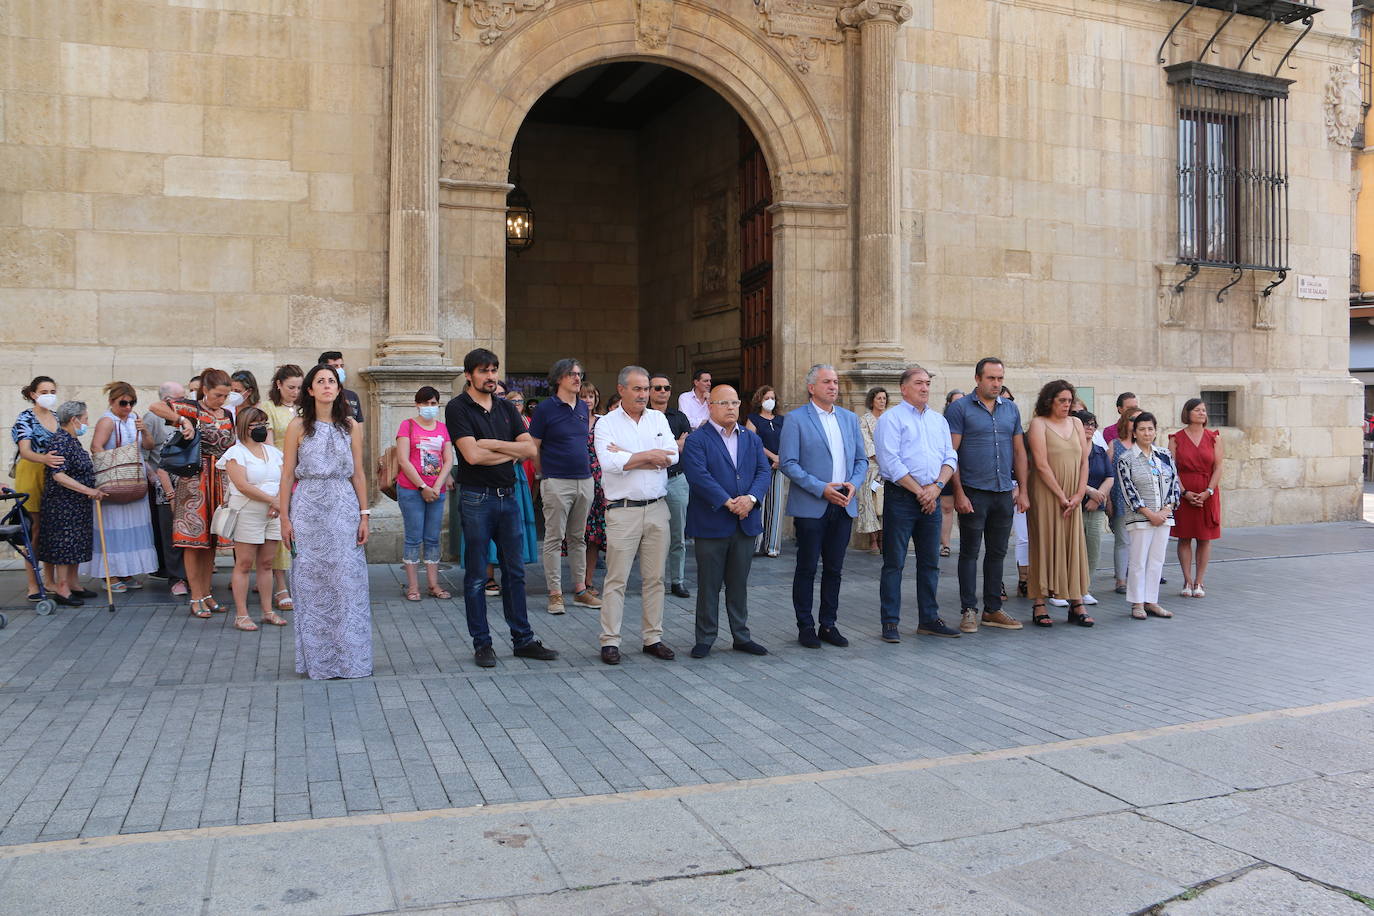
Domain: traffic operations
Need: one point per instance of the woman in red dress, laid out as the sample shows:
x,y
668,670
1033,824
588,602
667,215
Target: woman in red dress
x,y
1197,453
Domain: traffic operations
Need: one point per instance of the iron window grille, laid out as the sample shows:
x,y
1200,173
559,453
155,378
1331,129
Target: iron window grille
x,y
1219,404
1233,182
1363,13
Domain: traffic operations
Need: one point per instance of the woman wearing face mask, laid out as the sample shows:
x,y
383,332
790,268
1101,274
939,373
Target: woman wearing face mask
x,y
426,459
254,471
66,534
197,496
243,390
129,547
1149,484
281,409
33,433
767,423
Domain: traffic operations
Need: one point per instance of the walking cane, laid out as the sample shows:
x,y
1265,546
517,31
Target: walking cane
x,y
104,555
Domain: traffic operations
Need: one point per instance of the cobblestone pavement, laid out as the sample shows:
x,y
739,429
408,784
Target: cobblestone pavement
x,y
148,720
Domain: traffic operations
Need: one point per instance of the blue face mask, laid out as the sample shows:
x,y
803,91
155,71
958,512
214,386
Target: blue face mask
x,y
343,374
429,411
81,430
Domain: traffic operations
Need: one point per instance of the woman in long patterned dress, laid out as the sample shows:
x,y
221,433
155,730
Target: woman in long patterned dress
x,y
1197,454
280,407
763,421
33,433
197,496
596,515
324,515
129,544
1058,547
64,539
870,520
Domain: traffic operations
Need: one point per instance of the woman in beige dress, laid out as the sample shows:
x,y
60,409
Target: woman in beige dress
x,y
1058,548
870,520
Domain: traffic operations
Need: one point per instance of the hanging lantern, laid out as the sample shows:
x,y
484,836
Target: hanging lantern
x,y
519,219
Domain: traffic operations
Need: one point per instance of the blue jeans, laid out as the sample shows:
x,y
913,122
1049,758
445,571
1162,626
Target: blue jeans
x,y
491,515
422,523
903,522
820,540
989,523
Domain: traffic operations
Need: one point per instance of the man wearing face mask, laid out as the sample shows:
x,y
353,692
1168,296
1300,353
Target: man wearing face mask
x,y
334,360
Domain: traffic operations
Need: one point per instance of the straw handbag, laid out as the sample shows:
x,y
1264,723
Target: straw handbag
x,y
120,472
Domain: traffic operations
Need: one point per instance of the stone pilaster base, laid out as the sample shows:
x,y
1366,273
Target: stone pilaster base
x,y
857,377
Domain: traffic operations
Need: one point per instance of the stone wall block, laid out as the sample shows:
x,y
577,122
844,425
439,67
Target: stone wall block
x,y
210,264
193,215
49,314
255,82
279,268
47,120
248,133
36,258
103,172
129,317
313,320
126,261
234,179
104,71
149,127
55,210
251,321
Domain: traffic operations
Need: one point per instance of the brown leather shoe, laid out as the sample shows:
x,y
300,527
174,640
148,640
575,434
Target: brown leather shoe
x,y
610,655
659,650
1000,619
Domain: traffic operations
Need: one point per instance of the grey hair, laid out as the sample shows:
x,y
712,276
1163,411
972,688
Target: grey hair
x,y
169,390
68,411
815,372
561,368
910,373
624,377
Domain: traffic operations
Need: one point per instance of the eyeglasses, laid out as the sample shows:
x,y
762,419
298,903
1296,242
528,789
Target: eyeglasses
x,y
726,403
663,387
126,403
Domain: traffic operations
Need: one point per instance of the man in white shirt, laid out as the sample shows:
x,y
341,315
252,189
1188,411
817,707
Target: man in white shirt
x,y
635,447
696,404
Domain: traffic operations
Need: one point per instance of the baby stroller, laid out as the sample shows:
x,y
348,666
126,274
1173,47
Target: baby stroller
x,y
14,530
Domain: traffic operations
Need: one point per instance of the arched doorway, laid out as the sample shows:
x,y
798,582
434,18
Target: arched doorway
x,y
653,236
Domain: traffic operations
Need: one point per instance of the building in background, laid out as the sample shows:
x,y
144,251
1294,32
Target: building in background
x,y
1133,194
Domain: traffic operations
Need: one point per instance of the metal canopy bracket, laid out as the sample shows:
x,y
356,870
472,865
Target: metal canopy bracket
x,y
1269,290
1309,22
1272,11
1193,270
1236,275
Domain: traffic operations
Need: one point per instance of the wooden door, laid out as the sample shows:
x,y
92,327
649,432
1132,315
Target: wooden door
x,y
756,266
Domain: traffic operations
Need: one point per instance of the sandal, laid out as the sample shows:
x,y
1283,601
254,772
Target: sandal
x,y
283,604
436,591
1137,612
245,623
1023,588
273,618
200,612
413,594
1155,610
1040,619
491,588
212,605
1077,617
944,551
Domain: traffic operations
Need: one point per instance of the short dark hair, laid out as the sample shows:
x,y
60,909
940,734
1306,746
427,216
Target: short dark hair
x,y
873,395
560,369
696,376
1123,397
1045,400
984,362
662,375
481,358
426,393
1143,417
327,355
1188,407
1086,417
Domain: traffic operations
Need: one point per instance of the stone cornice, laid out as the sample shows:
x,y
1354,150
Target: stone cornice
x,y
895,11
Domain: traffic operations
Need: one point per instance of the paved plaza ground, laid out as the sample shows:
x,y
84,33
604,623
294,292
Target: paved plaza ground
x,y
152,760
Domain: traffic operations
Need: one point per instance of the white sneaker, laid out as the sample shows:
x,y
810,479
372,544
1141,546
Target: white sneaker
x,y
1198,592
1088,598
1187,591
1059,602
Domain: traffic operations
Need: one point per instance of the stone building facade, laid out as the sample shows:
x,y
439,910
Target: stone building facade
x,y
241,183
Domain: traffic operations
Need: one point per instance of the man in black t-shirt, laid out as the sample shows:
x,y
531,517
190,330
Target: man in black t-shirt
x,y
660,398
490,438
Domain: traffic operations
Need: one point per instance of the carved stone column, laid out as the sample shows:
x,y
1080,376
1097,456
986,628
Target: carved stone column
x,y
878,339
413,293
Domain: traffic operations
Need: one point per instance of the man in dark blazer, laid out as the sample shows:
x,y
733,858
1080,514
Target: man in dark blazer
x,y
822,453
728,475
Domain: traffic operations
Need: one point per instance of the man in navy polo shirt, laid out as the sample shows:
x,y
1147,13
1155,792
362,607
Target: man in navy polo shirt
x,y
986,432
560,430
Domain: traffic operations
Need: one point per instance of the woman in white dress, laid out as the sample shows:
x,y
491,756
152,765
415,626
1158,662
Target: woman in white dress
x,y
254,470
128,527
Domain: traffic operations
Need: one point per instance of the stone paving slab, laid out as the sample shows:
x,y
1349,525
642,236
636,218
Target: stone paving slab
x,y
1268,890
148,720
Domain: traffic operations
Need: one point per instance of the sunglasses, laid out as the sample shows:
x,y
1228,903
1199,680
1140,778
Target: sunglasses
x,y
663,387
126,403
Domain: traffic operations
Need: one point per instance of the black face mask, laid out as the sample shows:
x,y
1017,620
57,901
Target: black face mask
x,y
259,433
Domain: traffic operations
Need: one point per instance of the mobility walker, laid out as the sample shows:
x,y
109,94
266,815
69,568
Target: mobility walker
x,y
14,530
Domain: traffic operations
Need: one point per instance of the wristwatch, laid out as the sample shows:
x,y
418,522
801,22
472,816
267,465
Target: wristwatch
x,y
940,484
1211,492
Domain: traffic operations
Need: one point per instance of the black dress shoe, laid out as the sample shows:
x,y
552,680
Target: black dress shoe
x,y
938,627
610,655
832,636
485,657
83,593
680,591
66,602
700,650
808,638
751,647
659,650
537,651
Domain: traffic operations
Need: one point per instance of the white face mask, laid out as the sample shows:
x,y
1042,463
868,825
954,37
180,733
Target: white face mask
x,y
769,403
234,399
343,374
46,401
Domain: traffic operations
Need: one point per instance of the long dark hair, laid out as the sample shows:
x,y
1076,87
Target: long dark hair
x,y
290,370
339,415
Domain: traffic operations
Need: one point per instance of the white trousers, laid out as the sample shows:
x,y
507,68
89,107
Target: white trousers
x,y
1018,526
1149,543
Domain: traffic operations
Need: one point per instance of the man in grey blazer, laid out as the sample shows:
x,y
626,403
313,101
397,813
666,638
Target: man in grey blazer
x,y
822,453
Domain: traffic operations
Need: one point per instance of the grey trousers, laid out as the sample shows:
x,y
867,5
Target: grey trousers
x,y
723,561
676,573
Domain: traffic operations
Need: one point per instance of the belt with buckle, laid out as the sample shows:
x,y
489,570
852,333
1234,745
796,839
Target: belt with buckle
x,y
632,503
490,491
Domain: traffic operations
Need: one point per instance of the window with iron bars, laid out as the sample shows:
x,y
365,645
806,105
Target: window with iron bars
x,y
1232,167
1363,28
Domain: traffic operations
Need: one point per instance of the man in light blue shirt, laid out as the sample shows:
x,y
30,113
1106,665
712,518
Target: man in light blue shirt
x,y
916,459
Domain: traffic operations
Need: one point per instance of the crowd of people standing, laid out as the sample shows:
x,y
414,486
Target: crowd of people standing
x,y
281,480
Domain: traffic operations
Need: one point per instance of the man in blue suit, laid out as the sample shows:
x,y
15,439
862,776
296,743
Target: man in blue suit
x,y
728,476
822,453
